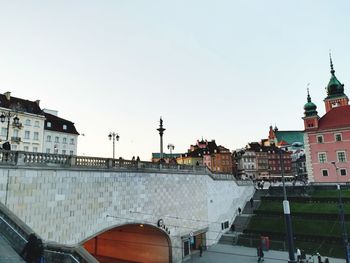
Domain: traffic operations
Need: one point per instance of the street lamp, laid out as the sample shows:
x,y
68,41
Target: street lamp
x,y
341,217
8,115
171,147
113,136
287,217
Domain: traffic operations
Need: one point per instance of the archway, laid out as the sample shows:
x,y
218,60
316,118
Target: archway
x,y
131,243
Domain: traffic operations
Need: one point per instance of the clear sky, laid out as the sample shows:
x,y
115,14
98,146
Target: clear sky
x,y
222,70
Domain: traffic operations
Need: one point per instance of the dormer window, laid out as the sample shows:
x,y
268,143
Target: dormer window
x,y
48,124
64,127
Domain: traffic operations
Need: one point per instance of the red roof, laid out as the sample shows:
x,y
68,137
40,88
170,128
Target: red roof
x,y
338,117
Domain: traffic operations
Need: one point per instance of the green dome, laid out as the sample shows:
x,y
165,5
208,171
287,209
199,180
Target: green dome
x,y
334,86
310,107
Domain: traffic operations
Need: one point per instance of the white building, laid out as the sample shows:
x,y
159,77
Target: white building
x,y
60,135
29,128
22,123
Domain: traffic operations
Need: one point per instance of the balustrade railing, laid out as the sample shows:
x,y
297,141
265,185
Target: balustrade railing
x,y
20,158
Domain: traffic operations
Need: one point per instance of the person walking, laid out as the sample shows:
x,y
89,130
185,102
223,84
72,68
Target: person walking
x,y
200,250
260,254
298,255
239,211
251,202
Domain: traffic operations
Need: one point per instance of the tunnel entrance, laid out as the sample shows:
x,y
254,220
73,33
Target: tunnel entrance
x,y
131,244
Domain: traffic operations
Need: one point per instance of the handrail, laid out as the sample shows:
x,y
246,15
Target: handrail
x,y
17,232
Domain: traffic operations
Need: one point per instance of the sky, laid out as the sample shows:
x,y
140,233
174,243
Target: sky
x,y
223,70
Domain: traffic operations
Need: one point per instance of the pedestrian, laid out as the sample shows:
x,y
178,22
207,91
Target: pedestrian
x,y
298,255
28,252
260,254
200,250
239,210
326,260
319,258
251,202
137,159
233,228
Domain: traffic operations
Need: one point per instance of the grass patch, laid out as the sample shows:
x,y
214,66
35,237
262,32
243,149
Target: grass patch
x,y
318,208
331,193
300,226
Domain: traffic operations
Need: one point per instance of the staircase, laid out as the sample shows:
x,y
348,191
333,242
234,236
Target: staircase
x,y
241,221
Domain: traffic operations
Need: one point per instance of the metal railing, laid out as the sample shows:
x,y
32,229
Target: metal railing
x,y
16,232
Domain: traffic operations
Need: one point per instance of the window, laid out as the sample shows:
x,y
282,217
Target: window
x,y
36,124
63,151
224,225
35,149
26,134
47,150
57,139
325,172
36,136
341,157
320,138
71,152
27,122
64,140
15,133
56,150
3,131
337,137
322,157
72,141
48,124
343,172
26,148
48,138
64,127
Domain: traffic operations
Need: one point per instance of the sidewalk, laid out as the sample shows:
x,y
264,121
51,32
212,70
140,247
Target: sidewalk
x,y
221,253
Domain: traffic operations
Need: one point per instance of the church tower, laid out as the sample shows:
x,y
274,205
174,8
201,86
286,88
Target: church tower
x,y
335,92
310,114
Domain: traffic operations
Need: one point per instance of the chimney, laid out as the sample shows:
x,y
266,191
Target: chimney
x,y
7,95
37,102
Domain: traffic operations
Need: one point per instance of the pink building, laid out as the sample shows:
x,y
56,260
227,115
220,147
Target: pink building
x,y
327,139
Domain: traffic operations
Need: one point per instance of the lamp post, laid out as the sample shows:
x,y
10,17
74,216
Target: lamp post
x,y
341,217
171,147
287,217
113,136
8,115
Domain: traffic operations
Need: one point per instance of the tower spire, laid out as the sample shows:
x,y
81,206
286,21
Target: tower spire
x,y
331,62
308,93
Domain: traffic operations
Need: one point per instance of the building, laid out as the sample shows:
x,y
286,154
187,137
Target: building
x,y
29,128
327,138
208,153
168,157
60,135
22,123
257,161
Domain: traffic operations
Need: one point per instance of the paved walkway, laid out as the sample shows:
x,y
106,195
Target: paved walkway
x,y
220,253
7,254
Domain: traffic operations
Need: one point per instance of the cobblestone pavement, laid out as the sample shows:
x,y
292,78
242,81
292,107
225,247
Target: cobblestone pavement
x,y
7,254
221,253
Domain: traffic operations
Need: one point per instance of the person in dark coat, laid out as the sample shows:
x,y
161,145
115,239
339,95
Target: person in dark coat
x,y
260,254
200,250
29,251
251,202
239,210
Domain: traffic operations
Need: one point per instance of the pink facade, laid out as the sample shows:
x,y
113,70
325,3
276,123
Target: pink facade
x,y
332,149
